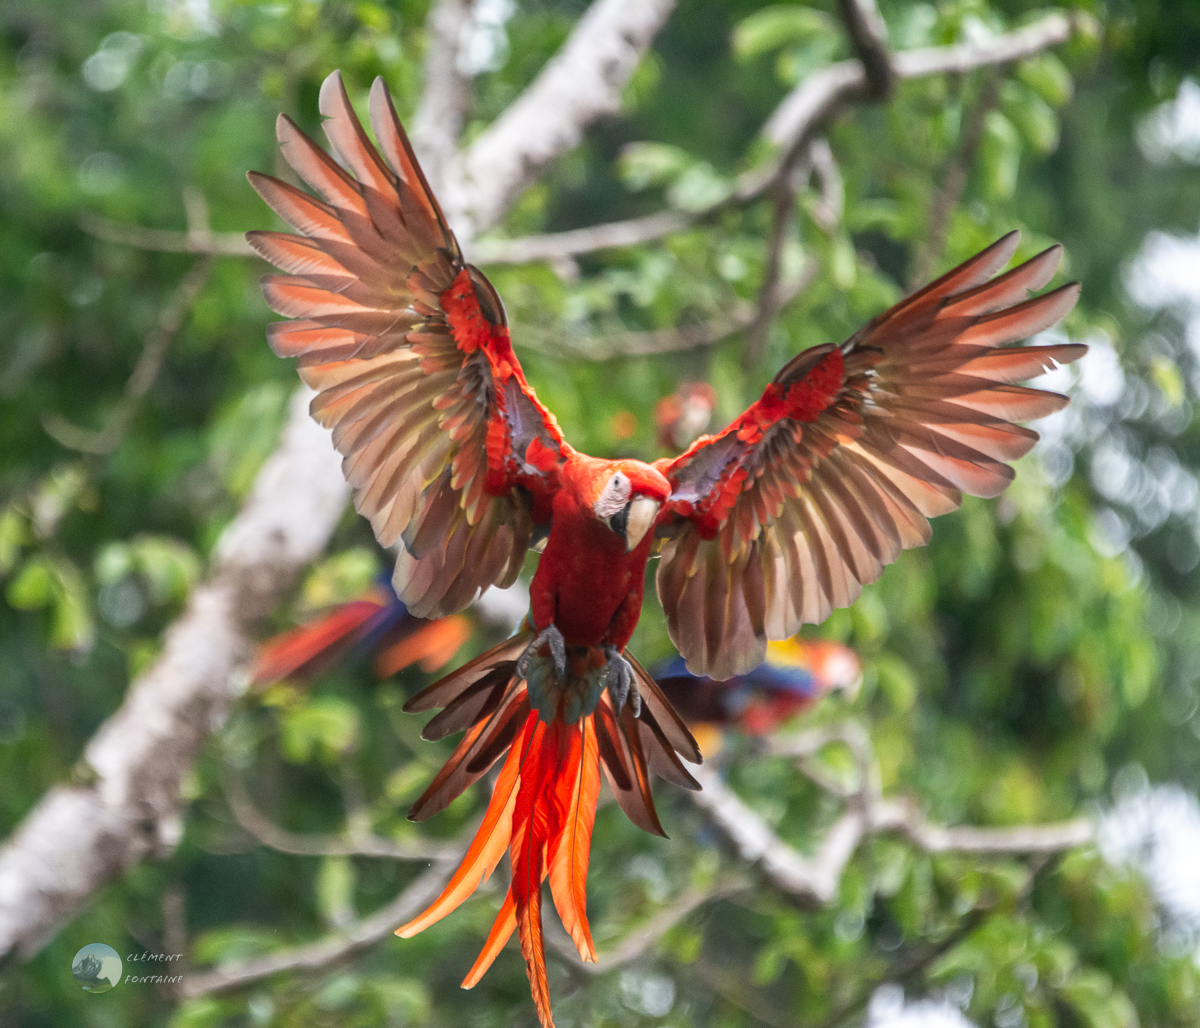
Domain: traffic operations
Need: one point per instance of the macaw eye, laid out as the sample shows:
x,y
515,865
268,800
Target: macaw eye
x,y
614,496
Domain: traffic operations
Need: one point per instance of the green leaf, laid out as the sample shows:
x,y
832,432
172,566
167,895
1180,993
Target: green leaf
x,y
335,890
897,681
113,562
1000,155
699,188
1165,374
843,263
34,587
243,435
407,781
204,1012
169,566
1033,117
233,942
1047,76
340,578
406,1000
71,626
326,725
642,165
14,534
773,27
797,62
55,583
1090,992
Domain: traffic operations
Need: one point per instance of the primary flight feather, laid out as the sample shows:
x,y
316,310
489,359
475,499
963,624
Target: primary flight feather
x,y
768,524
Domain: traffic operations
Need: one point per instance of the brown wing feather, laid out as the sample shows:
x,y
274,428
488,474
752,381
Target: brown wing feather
x,y
624,766
408,352
806,497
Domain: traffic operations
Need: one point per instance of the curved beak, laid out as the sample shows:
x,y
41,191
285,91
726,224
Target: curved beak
x,y
642,512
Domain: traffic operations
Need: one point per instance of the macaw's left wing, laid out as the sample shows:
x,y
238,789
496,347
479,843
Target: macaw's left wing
x,y
445,444
791,509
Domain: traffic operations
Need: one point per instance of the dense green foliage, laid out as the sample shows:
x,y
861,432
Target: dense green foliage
x,y
1040,651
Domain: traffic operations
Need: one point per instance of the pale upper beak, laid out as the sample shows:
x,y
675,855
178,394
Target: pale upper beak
x,y
642,512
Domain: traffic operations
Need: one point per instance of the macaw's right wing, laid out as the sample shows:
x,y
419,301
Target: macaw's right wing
x,y
802,500
445,444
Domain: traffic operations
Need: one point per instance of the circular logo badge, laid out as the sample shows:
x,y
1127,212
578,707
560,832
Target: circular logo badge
x,y
96,968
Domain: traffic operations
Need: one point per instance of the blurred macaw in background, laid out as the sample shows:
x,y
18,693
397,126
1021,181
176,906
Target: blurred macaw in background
x,y
683,416
378,623
795,675
768,524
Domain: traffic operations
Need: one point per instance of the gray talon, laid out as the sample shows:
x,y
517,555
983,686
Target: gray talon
x,y
620,680
558,651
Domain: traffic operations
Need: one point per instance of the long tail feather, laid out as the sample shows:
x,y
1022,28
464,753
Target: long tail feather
x,y
463,768
502,929
529,929
534,819
486,849
571,846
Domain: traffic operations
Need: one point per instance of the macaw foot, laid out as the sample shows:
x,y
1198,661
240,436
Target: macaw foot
x,y
620,681
548,636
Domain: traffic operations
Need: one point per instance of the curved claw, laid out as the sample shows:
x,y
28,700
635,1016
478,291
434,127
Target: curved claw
x,y
552,637
619,679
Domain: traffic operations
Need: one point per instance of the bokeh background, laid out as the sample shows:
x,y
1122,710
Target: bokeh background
x,y
1037,663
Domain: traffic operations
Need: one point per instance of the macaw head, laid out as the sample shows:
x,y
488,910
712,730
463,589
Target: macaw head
x,y
627,496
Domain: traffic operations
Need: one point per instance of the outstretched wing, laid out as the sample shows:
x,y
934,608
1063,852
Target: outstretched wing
x,y
444,443
791,509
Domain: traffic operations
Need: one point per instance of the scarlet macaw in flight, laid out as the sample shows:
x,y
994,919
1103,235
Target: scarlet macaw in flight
x,y
772,522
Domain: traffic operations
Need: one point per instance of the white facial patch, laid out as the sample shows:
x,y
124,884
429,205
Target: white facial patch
x,y
614,497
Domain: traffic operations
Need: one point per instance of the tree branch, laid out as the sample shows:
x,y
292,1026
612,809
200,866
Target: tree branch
x,y
691,336
333,948
768,305
793,124
581,83
637,942
868,35
439,118
352,844
145,371
559,245
162,240
126,805
816,879
945,199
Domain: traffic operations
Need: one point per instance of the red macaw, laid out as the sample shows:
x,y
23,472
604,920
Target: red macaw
x,y
795,675
769,523
684,415
377,622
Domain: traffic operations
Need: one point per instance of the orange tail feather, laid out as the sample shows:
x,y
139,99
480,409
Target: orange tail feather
x,y
488,846
570,847
502,929
529,927
533,824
